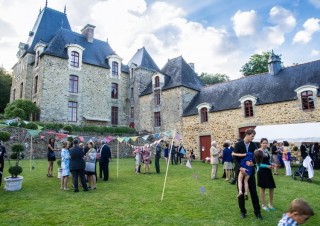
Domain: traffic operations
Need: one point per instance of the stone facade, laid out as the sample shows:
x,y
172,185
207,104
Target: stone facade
x,y
225,125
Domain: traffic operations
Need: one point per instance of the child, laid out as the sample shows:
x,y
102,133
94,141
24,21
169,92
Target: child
x,y
298,213
249,156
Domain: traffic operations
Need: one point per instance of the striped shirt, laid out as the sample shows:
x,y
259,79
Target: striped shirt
x,y
287,221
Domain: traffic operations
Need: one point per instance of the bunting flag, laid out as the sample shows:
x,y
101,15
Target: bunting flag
x,y
126,139
134,138
120,139
156,135
41,137
33,132
60,136
202,190
177,138
108,139
81,138
145,137
167,133
188,164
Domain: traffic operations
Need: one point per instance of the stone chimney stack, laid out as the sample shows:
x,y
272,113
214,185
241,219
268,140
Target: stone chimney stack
x,y
88,31
274,64
191,65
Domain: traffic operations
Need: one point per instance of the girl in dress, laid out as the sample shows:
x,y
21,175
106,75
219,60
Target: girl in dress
x,y
51,156
65,165
137,153
264,176
146,158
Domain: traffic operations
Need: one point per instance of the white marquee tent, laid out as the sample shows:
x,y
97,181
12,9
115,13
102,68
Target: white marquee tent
x,y
300,132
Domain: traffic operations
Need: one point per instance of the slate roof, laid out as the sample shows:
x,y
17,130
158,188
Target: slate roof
x,y
181,74
49,21
265,87
95,53
177,73
142,59
52,27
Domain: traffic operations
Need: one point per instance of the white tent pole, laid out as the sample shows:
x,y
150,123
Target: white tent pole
x,y
165,179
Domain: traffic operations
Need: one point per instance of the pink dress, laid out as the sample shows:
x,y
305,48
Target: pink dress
x,y
146,156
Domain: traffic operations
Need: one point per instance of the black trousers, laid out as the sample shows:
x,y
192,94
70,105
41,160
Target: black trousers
x,y
157,164
105,169
76,174
253,195
1,172
173,159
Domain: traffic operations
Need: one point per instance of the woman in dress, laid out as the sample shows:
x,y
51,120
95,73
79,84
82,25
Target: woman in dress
x,y
146,158
65,165
51,156
91,157
227,161
264,176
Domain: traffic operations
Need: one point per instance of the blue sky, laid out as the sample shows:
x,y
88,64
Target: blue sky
x,y
219,36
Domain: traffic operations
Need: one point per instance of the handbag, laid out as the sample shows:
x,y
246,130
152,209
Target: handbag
x,y
90,167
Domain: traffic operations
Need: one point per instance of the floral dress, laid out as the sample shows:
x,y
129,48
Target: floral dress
x,y
65,162
146,156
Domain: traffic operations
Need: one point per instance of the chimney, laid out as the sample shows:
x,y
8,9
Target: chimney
x,y
274,64
88,31
191,65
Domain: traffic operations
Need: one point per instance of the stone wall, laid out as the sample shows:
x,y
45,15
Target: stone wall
x,y
225,125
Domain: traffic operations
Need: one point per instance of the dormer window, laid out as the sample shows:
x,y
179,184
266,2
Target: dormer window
x,y
306,94
157,82
115,68
307,100
204,114
74,61
75,54
37,58
248,109
203,110
247,104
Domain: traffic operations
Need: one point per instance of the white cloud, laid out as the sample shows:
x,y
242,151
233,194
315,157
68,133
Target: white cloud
x,y
244,23
283,18
316,3
315,52
311,26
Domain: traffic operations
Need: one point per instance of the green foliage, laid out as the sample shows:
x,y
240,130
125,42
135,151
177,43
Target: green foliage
x,y
258,63
18,112
5,84
21,124
17,152
15,171
27,106
31,125
209,79
70,139
4,136
68,128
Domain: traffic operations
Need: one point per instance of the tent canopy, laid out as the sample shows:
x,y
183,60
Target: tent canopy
x,y
300,132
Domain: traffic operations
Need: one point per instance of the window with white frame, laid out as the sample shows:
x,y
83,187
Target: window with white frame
x,y
72,111
247,103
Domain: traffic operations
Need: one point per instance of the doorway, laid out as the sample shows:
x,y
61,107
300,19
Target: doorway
x,y
205,144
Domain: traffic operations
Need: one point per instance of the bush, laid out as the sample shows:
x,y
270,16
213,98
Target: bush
x,y
18,112
27,108
31,125
15,170
68,128
4,136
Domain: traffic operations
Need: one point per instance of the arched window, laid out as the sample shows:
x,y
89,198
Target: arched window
x,y
157,82
204,114
307,100
74,59
248,110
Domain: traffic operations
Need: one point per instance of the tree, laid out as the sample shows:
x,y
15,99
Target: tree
x,y
257,64
209,79
5,84
20,108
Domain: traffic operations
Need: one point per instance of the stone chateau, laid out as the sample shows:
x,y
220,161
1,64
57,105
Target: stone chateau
x,y
75,78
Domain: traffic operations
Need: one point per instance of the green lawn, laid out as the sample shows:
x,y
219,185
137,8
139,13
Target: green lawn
x,y
134,199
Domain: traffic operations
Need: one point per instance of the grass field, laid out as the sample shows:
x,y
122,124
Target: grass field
x,y
131,199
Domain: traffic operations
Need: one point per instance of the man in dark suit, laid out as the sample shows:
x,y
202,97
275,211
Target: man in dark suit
x,y
77,166
105,156
244,146
158,156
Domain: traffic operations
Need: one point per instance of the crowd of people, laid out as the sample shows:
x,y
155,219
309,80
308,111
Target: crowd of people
x,y
240,164
79,161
